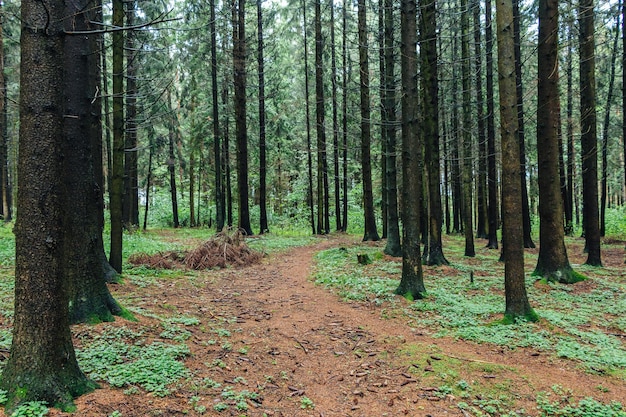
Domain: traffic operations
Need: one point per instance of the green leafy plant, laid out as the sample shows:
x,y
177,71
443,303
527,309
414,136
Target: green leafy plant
x,y
306,403
31,409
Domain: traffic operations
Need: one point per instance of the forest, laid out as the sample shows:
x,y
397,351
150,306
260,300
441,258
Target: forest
x,y
313,208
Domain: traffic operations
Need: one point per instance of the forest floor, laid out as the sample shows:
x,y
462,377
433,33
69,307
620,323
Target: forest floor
x,y
264,340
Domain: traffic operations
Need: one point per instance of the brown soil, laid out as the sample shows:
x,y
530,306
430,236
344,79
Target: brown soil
x,y
348,358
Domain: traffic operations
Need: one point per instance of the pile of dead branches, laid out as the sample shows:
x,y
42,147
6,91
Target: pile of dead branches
x,y
226,248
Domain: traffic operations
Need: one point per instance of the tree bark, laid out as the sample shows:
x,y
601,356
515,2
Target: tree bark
x,y
130,208
333,70
517,304
323,222
466,155
116,192
481,177
588,137
552,263
393,246
344,121
308,122
433,251
239,69
605,127
264,228
42,365
492,174
528,240
5,188
412,281
171,162
220,199
366,160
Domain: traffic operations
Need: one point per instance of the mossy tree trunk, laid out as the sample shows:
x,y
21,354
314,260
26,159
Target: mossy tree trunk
x,y
323,220
517,304
5,190
412,281
42,365
308,122
90,299
552,263
263,227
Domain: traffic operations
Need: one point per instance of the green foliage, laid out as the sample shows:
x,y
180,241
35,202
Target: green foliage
x,y
31,409
152,367
306,403
587,407
573,324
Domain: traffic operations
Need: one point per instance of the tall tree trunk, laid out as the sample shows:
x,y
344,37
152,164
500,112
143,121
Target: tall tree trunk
x,y
528,240
552,263
226,183
393,246
171,163
333,75
323,223
588,137
239,69
5,189
148,180
517,304
433,250
383,129
624,92
366,161
344,112
457,195
42,365
262,147
481,189
467,171
412,281
116,192
605,127
220,199
130,208
492,174
308,121
571,163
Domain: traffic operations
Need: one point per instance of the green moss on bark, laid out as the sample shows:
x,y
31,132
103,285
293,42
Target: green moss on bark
x,y
563,275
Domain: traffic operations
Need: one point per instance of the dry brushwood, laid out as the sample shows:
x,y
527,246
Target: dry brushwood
x,y
227,248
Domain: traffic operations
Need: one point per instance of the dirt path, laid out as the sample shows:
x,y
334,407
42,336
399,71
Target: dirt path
x,y
298,345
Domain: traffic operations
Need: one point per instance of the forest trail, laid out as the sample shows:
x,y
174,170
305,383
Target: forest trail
x,y
308,353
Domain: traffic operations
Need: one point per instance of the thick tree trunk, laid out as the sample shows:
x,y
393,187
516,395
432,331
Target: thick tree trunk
x,y
412,281
517,304
492,174
393,246
116,192
552,263
366,160
588,137
42,365
433,251
239,68
571,163
171,163
383,129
